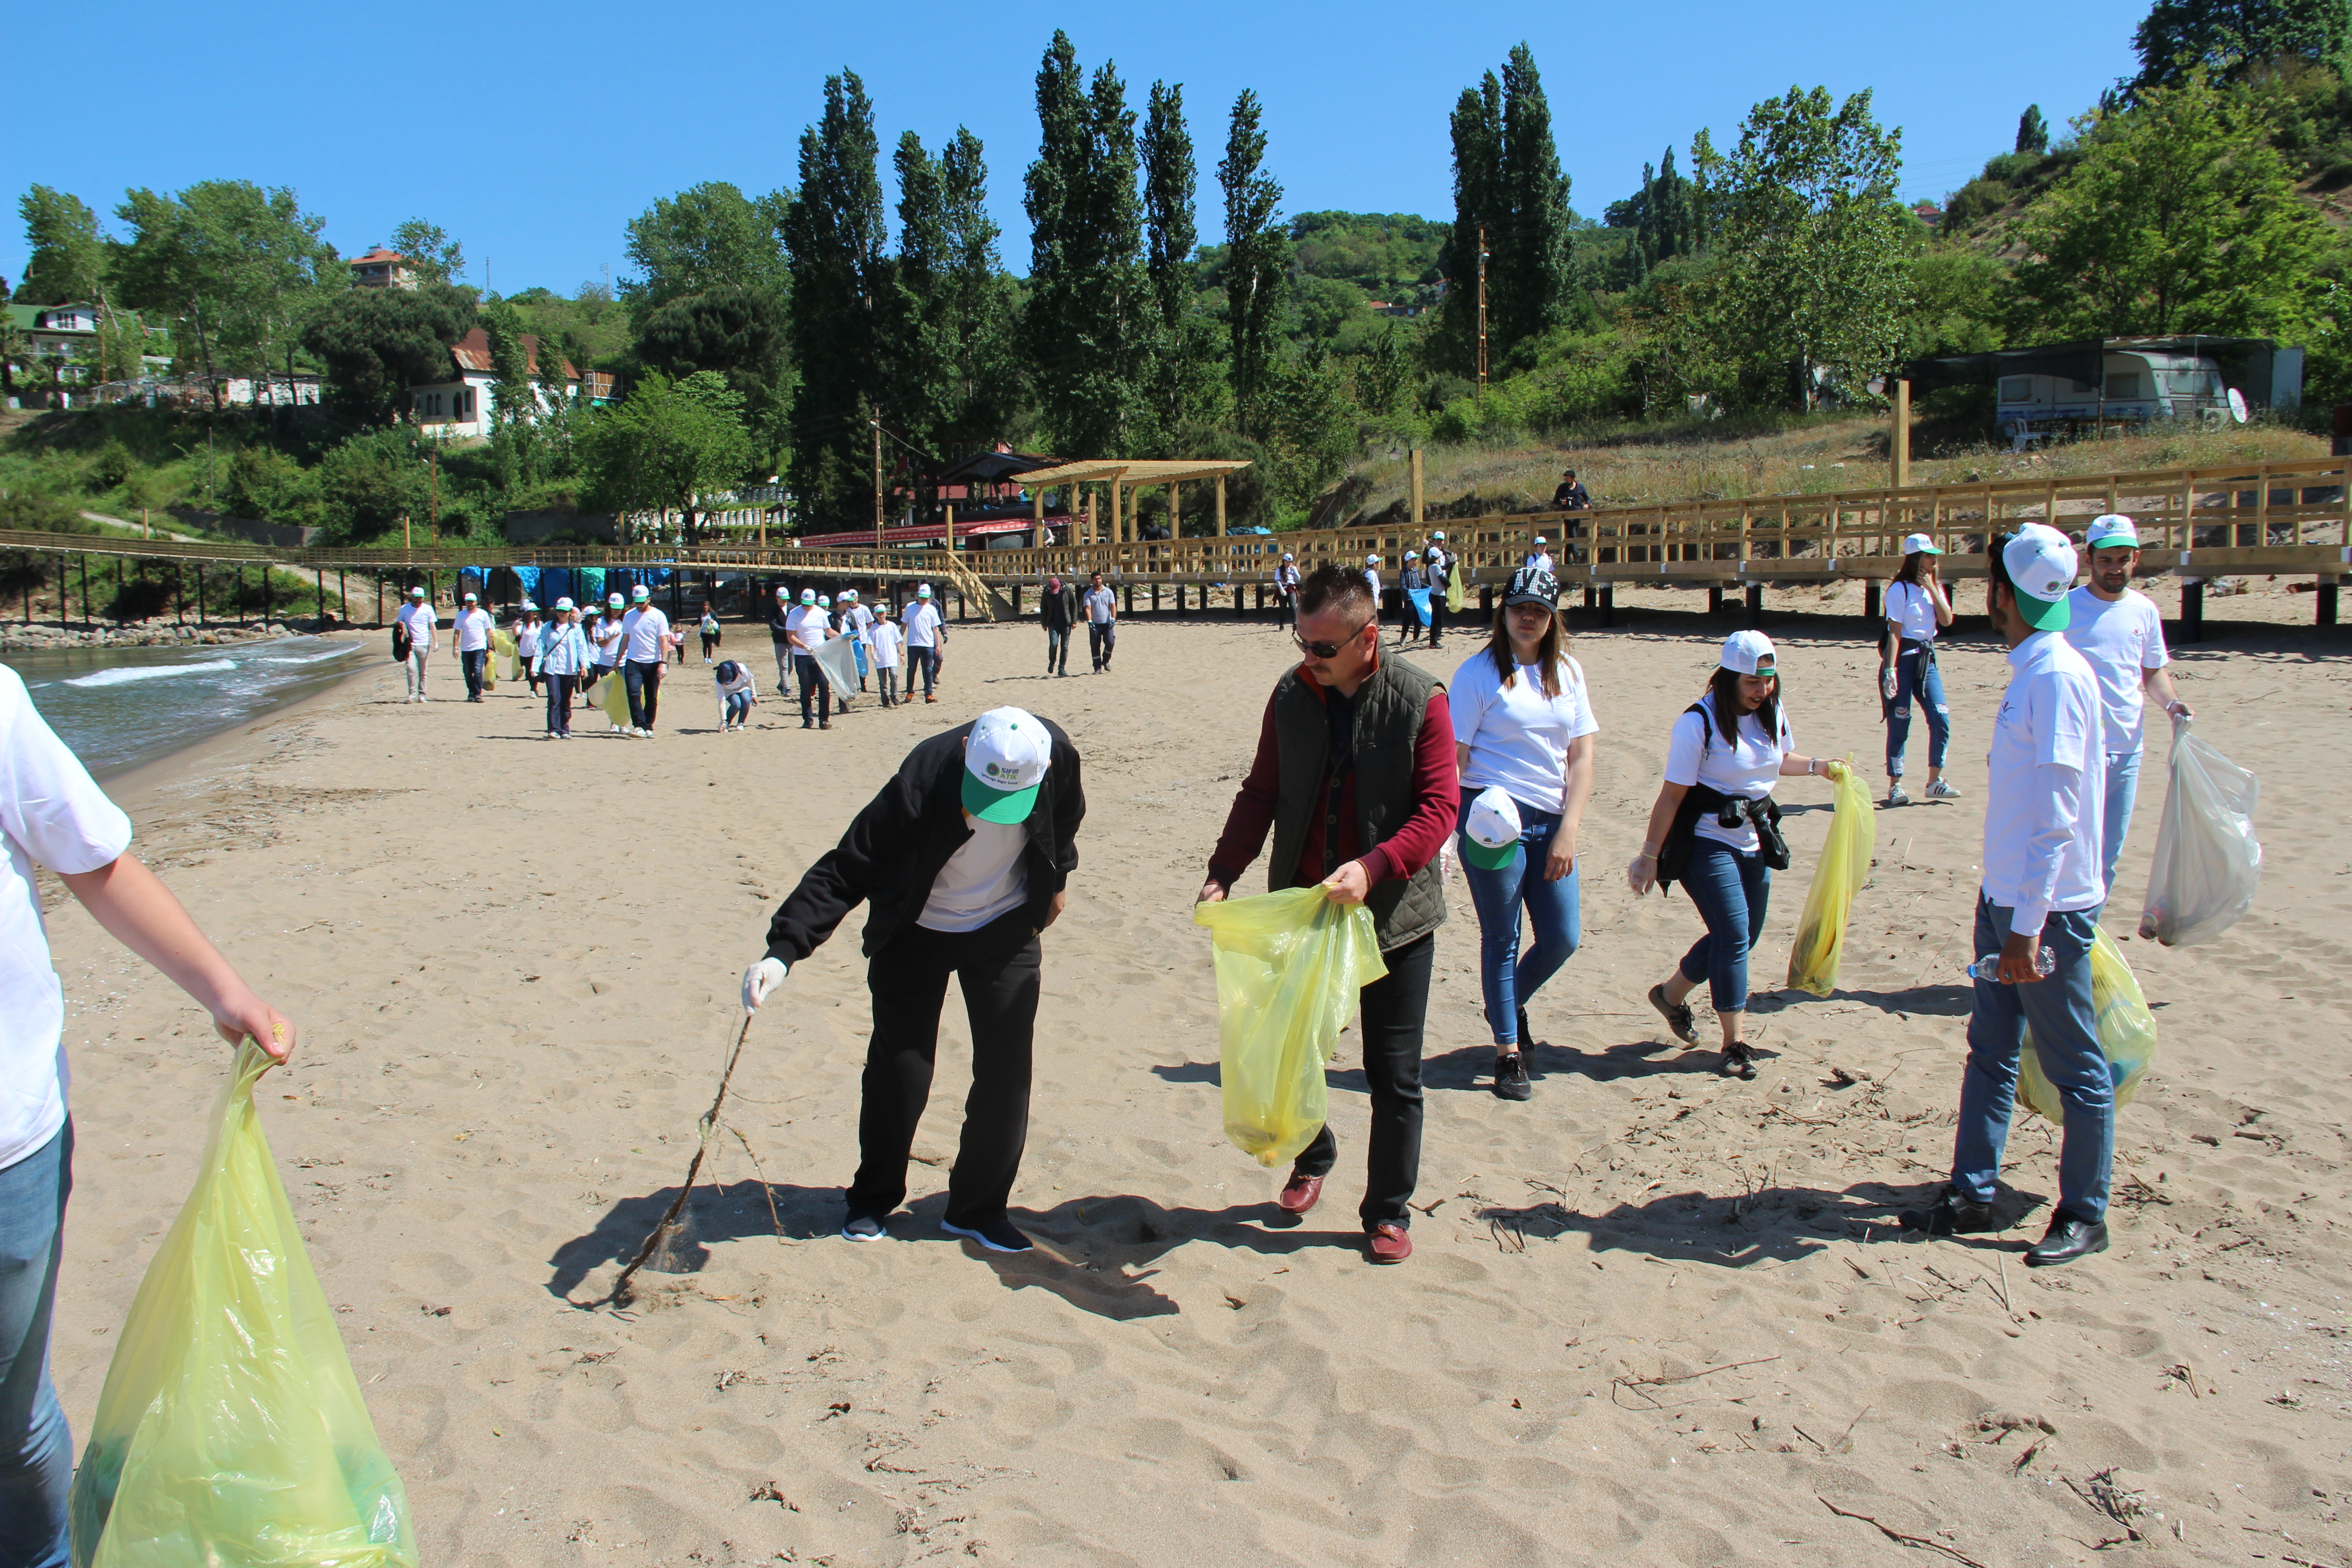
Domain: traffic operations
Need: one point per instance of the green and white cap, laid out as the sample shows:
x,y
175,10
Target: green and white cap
x,y
923,591
417,593
2041,563
2112,532
1920,544
641,593
1490,831
613,601
1004,760
1749,652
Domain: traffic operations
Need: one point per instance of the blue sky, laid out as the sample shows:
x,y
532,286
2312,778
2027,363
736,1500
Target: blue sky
x,y
534,132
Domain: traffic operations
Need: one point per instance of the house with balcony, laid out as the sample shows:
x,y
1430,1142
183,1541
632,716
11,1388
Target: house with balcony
x,y
465,405
381,268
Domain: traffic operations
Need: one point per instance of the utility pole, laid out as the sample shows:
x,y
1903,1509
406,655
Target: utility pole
x,y
1480,394
433,461
877,481
1899,448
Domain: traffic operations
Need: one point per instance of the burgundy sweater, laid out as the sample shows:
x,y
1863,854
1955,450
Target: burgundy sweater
x,y
1437,805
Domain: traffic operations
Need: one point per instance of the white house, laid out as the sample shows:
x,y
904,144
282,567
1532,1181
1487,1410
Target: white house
x,y
381,268
466,406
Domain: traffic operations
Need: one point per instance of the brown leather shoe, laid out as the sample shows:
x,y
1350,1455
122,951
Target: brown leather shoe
x,y
1390,1242
1299,1194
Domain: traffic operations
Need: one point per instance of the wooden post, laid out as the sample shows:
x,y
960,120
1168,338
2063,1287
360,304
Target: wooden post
x,y
1115,538
1175,509
1900,445
950,511
1221,505
1090,517
878,487
1417,518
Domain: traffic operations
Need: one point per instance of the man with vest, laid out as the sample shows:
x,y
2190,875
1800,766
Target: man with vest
x,y
1355,777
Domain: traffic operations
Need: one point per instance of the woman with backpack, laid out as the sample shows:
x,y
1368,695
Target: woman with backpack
x,y
1523,729
1716,830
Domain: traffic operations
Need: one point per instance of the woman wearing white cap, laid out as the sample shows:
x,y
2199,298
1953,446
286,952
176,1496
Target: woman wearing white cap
x,y
1523,729
563,657
1716,830
606,635
526,636
417,621
1373,575
1285,585
1917,608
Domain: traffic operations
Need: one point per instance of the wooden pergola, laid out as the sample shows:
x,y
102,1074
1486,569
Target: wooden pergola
x,y
1123,476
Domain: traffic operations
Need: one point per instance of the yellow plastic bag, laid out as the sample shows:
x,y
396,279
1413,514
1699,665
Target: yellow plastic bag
x,y
231,1431
2127,1034
1288,967
503,659
1844,868
609,695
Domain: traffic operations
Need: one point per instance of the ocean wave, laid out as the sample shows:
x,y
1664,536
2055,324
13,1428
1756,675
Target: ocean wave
x,y
342,652
121,674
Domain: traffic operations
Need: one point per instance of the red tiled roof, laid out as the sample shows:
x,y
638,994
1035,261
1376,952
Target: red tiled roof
x,y
472,352
379,254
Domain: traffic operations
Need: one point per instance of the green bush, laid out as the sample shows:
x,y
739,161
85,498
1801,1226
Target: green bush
x,y
113,465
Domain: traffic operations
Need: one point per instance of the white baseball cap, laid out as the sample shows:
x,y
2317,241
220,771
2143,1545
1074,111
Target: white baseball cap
x,y
1749,652
824,601
1438,537
923,591
1413,555
2112,530
612,601
782,592
529,608
808,595
1288,556
472,599
641,593
1004,760
1490,832
1541,539
849,595
565,603
1919,544
1372,560
417,593
2041,563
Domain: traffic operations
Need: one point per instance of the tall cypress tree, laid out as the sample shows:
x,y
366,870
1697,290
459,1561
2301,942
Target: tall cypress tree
x,y
833,238
1530,271
1477,127
1182,354
946,323
1257,252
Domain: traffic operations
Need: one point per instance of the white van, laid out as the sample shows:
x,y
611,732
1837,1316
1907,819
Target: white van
x,y
2140,384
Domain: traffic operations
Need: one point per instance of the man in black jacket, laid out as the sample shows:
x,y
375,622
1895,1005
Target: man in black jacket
x,y
963,857
1059,607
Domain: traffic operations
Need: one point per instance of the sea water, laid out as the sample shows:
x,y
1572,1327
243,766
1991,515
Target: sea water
x,y
118,708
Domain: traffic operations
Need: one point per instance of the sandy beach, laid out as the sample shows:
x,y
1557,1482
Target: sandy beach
x,y
1653,1316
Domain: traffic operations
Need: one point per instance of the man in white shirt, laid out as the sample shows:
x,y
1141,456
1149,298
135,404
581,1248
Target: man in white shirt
x,y
963,858
472,631
52,814
2039,905
417,619
926,635
807,627
2121,632
645,643
1101,607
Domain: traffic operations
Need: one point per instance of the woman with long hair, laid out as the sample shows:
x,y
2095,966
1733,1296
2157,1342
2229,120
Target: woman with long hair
x,y
1523,729
1917,608
1716,830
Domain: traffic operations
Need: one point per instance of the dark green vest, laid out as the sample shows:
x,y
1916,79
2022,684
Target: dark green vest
x,y
1390,709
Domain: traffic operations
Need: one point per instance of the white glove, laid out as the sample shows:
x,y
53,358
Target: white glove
x,y
759,980
1642,873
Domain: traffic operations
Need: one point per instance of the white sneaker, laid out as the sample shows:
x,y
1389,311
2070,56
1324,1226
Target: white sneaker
x,y
1942,790
1894,795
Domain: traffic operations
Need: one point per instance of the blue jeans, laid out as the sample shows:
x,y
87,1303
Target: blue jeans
x,y
35,1450
559,703
473,664
2066,1040
1508,976
739,706
2123,790
1057,648
1929,689
1732,888
927,661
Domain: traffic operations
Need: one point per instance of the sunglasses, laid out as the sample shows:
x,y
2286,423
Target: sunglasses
x,y
1328,650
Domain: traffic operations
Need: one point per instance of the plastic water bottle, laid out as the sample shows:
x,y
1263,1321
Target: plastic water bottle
x,y
1988,966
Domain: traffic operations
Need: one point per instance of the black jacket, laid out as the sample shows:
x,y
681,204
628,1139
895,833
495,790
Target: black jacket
x,y
1058,606
896,847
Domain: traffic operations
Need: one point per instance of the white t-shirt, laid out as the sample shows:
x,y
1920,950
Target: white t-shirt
x,y
1913,610
607,637
860,622
1375,579
420,621
1100,604
645,631
742,681
1695,754
980,880
709,624
922,624
885,642
526,636
1518,736
2120,639
812,625
473,629
1540,560
2043,818
52,812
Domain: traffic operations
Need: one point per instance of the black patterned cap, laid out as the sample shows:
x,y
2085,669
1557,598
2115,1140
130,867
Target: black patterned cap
x,y
1532,586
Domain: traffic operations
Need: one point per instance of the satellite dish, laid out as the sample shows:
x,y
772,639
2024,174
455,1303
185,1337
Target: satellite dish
x,y
2237,406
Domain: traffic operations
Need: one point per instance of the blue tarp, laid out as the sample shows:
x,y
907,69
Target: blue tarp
x,y
1420,597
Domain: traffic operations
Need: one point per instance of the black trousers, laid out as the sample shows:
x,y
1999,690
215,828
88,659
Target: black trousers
x,y
814,687
559,703
1394,1010
643,679
997,966
1102,641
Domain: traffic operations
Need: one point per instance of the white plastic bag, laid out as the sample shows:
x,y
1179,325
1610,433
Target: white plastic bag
x,y
2208,864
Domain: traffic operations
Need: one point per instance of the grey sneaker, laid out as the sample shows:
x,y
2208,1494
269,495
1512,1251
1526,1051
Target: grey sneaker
x,y
862,1227
1894,795
1941,789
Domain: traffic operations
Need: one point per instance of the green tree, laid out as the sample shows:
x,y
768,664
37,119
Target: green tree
x,y
432,255
1531,272
1479,206
2032,131
2225,38
68,254
948,321
668,444
243,268
833,238
375,343
711,237
1257,251
1088,332
1183,369
1813,247
512,406
739,332
2178,217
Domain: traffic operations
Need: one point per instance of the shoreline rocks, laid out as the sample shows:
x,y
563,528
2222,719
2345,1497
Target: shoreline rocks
x,y
151,634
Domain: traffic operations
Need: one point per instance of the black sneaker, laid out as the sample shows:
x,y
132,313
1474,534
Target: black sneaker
x,y
1528,1040
996,1235
1952,1214
2070,1236
1738,1061
1511,1076
1677,1015
862,1227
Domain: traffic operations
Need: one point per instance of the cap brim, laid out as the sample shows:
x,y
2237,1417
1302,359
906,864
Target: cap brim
x,y
990,803
2044,615
1489,857
1510,599
1930,550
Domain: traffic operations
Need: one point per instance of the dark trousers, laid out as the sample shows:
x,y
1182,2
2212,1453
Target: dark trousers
x,y
559,703
1394,1009
1057,648
997,966
473,664
1102,637
1436,618
885,677
926,659
645,676
814,687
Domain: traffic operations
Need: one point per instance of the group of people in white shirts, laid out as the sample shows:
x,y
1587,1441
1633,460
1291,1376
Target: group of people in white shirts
x,y
880,644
